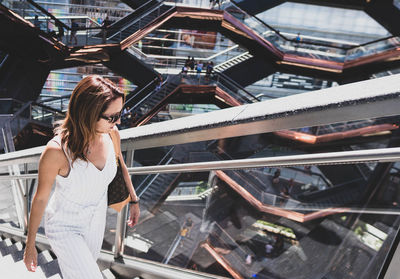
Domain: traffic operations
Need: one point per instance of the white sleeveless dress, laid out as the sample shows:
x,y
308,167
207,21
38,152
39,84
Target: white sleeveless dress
x,y
76,214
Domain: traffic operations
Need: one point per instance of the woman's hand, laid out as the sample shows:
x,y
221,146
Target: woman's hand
x,y
30,257
134,213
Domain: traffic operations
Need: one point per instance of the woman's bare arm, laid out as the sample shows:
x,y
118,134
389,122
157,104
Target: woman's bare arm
x,y
50,164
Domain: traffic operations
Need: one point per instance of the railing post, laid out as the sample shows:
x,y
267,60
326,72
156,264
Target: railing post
x,y
26,201
120,231
17,190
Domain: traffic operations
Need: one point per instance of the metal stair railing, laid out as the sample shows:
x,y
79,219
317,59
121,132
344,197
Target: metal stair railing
x,y
152,99
28,9
134,14
141,22
140,92
241,93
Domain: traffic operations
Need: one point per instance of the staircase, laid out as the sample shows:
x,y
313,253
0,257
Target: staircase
x,y
187,245
152,101
138,23
138,12
153,186
233,61
11,262
151,193
13,267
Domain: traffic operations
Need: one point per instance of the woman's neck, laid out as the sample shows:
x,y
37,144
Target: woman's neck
x,y
98,137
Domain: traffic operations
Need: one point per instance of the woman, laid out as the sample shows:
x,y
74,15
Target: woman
x,y
81,159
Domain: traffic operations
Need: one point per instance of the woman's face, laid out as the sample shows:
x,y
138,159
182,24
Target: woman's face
x,y
114,108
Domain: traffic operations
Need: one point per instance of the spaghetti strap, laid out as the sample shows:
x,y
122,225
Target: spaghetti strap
x,y
57,139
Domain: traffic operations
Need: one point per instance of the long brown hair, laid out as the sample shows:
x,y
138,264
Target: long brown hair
x,y
90,98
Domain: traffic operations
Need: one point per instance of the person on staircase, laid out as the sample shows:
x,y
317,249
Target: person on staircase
x,y
81,159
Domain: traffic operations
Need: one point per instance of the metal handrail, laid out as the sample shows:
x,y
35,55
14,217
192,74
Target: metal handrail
x,y
51,98
21,110
380,155
237,85
141,90
43,10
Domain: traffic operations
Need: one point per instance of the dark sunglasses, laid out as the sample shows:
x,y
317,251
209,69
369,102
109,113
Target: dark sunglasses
x,y
112,118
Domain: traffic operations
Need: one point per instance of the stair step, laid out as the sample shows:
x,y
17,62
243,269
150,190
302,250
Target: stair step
x,y
17,251
51,268
44,257
22,272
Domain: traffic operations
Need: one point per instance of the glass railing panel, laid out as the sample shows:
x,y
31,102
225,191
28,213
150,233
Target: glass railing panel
x,y
196,3
33,14
252,244
251,220
97,13
78,30
182,110
59,103
185,42
45,115
373,48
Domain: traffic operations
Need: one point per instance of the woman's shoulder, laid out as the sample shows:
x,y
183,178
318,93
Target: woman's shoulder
x,y
55,143
53,150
